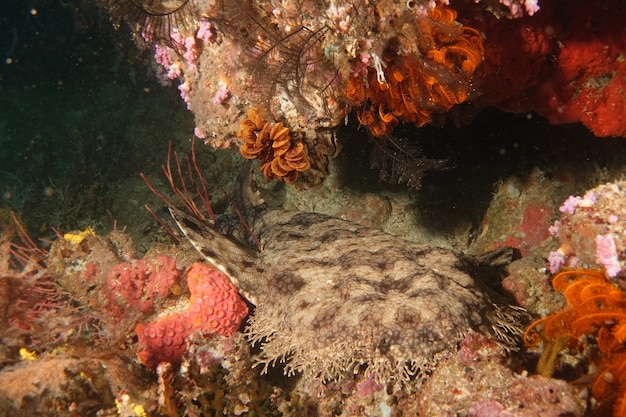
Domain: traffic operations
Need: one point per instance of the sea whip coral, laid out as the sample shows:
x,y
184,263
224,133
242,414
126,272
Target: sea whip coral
x,y
215,307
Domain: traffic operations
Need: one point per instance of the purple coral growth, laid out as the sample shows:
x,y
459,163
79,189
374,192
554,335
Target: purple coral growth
x,y
589,199
516,7
556,259
488,408
204,31
569,205
222,94
555,228
606,254
532,6
184,89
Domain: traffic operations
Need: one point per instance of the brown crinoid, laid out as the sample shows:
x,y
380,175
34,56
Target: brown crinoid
x,y
281,156
415,79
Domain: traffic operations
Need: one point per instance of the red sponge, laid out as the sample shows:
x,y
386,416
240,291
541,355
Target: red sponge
x,y
216,307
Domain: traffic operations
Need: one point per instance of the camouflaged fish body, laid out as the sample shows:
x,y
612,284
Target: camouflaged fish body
x,y
332,295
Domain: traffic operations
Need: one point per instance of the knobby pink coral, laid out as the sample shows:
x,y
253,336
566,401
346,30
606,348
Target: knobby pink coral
x,y
592,231
136,285
215,307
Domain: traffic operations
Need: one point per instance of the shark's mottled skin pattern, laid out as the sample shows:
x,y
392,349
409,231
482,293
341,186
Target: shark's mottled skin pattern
x,y
332,295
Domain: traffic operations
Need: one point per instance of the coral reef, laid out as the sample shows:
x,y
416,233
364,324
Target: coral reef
x,y
591,231
215,307
34,312
476,382
307,66
101,274
217,378
596,307
83,302
217,374
98,370
49,364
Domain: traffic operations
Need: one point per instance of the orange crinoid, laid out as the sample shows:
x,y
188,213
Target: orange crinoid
x,y
423,71
281,156
596,307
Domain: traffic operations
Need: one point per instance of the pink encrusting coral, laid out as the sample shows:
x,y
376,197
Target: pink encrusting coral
x,y
215,307
116,290
136,285
606,254
592,231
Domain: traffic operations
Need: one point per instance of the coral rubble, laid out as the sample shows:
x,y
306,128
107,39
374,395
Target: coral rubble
x,y
475,382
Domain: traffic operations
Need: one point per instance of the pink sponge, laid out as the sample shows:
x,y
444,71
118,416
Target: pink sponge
x,y
138,285
215,307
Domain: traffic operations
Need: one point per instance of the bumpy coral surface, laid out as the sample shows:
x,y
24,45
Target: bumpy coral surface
x,y
215,307
592,231
519,214
114,290
475,382
135,285
307,65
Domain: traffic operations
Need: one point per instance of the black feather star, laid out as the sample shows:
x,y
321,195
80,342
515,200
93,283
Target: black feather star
x,y
154,20
290,59
402,162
